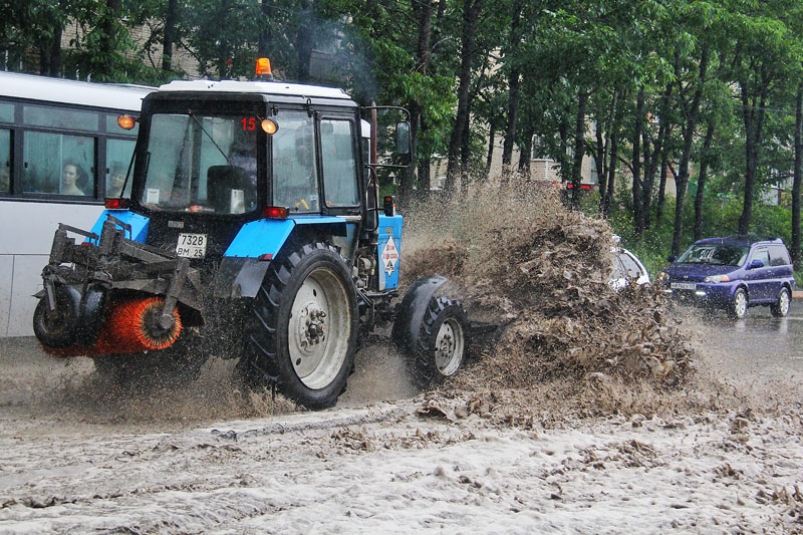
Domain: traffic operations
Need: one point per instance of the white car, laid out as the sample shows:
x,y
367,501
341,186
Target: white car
x,y
626,268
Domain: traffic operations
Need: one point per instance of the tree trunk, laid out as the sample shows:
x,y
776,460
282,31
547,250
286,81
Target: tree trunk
x,y
661,201
652,160
797,178
579,148
423,16
170,35
691,112
525,156
465,151
753,115
636,164
607,202
50,63
108,43
407,175
490,156
222,48
471,12
305,41
705,158
514,79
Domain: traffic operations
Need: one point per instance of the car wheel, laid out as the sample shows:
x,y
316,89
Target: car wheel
x,y
738,307
780,308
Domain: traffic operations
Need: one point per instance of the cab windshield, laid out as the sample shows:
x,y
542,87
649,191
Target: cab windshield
x,y
201,163
720,255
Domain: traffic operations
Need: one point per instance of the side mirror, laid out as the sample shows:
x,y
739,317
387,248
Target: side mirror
x,y
755,264
671,258
403,138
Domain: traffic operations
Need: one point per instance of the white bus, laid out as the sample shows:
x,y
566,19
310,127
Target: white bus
x,y
61,154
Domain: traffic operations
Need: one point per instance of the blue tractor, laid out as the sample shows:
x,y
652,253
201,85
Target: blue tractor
x,y
250,227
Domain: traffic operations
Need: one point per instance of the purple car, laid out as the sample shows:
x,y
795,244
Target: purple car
x,y
732,273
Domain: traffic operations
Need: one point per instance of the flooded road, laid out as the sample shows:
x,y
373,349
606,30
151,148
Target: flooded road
x,y
759,346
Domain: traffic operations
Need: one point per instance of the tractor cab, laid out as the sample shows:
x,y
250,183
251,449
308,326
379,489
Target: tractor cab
x,y
215,156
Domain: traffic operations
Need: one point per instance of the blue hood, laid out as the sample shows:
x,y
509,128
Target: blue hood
x,y
697,272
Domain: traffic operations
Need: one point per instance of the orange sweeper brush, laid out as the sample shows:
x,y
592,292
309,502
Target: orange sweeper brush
x,y
130,327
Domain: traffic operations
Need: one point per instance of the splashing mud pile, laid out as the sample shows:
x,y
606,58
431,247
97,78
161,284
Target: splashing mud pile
x,y
525,261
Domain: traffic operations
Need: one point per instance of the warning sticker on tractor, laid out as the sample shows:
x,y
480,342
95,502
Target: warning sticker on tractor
x,y
390,256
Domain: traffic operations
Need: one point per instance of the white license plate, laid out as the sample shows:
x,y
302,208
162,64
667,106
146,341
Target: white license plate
x,y
683,286
191,245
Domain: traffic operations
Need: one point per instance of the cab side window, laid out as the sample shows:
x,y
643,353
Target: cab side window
x,y
295,176
339,163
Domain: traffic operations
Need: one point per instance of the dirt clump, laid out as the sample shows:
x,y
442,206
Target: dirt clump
x,y
542,271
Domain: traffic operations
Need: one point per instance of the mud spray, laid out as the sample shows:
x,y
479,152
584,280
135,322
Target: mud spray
x,y
571,347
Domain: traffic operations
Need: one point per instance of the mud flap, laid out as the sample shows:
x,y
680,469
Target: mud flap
x,y
410,316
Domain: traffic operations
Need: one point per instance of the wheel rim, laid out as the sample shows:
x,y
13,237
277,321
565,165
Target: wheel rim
x,y
783,302
740,304
318,331
449,347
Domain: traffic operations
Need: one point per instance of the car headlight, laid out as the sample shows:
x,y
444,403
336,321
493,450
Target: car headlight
x,y
716,279
662,277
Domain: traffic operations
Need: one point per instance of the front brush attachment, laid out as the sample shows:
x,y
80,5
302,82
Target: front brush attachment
x,y
131,326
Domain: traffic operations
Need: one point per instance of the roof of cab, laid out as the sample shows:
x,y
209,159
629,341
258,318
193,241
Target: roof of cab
x,y
263,87
98,95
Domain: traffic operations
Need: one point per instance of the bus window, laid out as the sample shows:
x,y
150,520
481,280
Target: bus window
x,y
5,161
339,163
60,118
58,164
6,113
118,156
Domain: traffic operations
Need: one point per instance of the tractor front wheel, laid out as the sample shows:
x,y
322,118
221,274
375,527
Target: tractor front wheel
x,y
304,328
442,344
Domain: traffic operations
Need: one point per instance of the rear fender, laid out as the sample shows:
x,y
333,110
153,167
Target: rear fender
x,y
246,261
410,314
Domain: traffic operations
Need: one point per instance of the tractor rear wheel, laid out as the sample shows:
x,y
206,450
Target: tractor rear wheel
x,y
442,344
304,327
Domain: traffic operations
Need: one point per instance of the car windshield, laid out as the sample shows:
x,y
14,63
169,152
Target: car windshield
x,y
718,255
200,163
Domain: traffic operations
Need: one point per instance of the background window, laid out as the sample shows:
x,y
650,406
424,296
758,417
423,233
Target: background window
x,y
51,160
5,161
7,113
118,157
60,118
